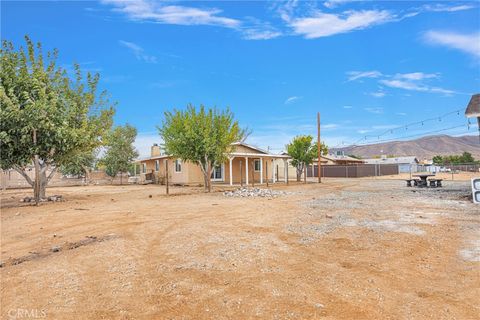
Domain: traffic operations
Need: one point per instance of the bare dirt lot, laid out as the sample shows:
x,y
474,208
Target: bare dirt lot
x,y
345,249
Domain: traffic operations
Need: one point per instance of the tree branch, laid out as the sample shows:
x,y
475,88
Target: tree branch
x,y
52,173
24,174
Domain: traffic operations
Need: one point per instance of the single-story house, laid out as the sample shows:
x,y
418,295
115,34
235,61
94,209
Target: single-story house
x,y
405,164
245,163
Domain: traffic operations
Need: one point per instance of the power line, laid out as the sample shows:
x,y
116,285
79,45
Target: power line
x,y
403,127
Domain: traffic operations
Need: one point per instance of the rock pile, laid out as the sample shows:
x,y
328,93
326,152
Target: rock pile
x,y
253,192
50,198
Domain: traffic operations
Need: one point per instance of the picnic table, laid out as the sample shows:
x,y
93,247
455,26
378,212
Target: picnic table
x,y
423,180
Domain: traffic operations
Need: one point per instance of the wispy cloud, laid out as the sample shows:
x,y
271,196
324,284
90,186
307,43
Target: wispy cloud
x,y
335,3
347,107
374,110
330,126
446,8
356,75
321,24
159,12
415,86
378,94
292,99
260,34
416,76
138,52
414,81
468,43
144,142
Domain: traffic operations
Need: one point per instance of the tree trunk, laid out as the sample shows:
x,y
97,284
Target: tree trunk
x,y
304,173
86,170
299,172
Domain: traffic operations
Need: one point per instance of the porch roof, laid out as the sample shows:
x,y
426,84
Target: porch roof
x,y
258,155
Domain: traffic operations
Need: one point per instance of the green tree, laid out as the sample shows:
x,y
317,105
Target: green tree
x,y
467,158
438,160
80,164
303,151
120,151
46,117
203,137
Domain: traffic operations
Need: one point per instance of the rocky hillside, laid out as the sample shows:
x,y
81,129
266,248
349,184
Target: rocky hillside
x,y
422,148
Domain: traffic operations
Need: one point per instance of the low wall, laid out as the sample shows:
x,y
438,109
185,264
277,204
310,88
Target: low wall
x,y
11,179
354,171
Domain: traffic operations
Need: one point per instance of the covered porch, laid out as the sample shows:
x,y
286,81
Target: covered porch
x,y
251,168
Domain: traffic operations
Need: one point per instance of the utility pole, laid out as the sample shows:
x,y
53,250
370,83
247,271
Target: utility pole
x,y
319,149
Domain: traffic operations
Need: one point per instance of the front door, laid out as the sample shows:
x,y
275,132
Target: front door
x,y
217,173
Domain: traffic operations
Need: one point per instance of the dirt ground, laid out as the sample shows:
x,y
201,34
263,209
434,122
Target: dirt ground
x,y
343,249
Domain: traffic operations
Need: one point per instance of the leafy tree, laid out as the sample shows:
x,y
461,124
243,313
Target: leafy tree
x,y
303,151
46,117
201,136
466,157
80,164
437,159
120,151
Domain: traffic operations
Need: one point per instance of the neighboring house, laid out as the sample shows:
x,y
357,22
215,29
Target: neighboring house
x,y
335,159
405,164
245,163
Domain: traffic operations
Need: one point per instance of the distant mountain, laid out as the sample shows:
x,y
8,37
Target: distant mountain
x,y
422,148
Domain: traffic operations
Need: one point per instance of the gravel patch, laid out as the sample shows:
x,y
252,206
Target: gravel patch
x,y
254,192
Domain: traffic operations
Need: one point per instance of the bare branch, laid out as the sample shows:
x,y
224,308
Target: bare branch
x,y
24,174
52,173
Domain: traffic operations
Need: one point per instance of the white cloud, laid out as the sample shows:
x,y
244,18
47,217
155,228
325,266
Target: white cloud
x,y
416,76
325,24
259,34
414,86
143,10
334,3
374,110
378,94
138,52
401,114
347,107
355,75
144,141
468,43
330,126
444,8
414,81
292,99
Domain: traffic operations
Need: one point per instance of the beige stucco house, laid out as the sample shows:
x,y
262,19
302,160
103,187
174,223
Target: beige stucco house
x,y
245,163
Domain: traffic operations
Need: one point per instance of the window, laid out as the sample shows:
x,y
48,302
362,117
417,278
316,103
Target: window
x,y
217,173
157,165
144,167
178,165
257,165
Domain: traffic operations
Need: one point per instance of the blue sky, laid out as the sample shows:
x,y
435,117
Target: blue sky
x,y
367,66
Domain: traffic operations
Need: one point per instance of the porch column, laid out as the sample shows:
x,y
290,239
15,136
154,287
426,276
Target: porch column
x,y
273,170
230,169
285,162
246,171
261,170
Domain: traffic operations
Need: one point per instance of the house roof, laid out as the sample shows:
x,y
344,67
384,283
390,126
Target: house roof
x,y
396,160
335,157
240,143
473,108
261,152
